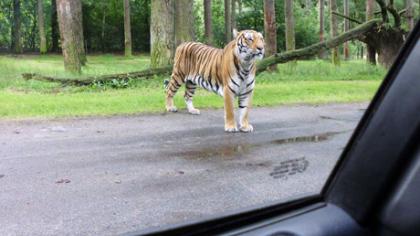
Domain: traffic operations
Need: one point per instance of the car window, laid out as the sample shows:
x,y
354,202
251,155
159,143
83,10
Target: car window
x,y
118,116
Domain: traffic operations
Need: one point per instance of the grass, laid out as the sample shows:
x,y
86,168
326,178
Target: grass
x,y
311,82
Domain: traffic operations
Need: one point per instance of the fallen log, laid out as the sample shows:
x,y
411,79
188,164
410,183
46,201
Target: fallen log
x,y
101,78
314,49
355,33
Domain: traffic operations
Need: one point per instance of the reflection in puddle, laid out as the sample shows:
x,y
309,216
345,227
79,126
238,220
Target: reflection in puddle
x,y
234,150
310,138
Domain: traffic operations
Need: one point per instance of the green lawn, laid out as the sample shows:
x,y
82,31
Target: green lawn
x,y
312,82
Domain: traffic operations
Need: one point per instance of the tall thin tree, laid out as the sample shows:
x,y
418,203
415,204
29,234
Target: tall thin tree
x,y
370,50
41,28
69,14
228,21
16,28
103,26
54,27
335,55
290,25
410,13
233,14
127,29
321,3
162,33
208,26
270,30
346,28
184,21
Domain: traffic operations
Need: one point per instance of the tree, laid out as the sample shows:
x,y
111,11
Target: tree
x,y
228,21
346,28
290,25
162,35
208,32
54,27
41,28
335,56
410,13
16,28
233,14
184,20
387,39
371,53
69,14
127,28
103,25
321,26
270,29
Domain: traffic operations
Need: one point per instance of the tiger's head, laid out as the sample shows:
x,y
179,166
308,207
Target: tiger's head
x,y
249,45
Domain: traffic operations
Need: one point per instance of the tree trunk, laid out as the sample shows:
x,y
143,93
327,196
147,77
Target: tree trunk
x,y
54,27
270,29
103,29
410,13
127,29
80,34
162,35
370,50
71,33
346,28
16,28
228,21
290,25
321,54
208,32
184,21
335,56
233,14
387,42
34,28
41,28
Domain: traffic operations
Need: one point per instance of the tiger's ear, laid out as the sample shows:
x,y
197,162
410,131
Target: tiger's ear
x,y
260,34
234,32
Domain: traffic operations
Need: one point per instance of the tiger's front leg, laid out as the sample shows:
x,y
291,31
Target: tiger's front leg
x,y
244,106
230,124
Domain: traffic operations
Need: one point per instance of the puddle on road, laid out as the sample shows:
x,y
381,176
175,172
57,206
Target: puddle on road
x,y
310,138
234,150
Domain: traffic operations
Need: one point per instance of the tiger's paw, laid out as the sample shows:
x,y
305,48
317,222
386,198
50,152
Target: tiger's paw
x,y
246,129
172,109
231,129
194,111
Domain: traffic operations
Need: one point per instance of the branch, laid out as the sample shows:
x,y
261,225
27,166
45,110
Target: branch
x,y
346,17
402,12
384,12
316,48
394,13
104,78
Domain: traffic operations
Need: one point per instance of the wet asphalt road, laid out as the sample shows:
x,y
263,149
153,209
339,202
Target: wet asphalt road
x,y
109,176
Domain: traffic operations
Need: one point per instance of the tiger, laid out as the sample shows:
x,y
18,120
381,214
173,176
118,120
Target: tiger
x,y
228,72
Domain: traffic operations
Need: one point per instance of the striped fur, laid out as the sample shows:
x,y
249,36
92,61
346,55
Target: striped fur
x,y
228,72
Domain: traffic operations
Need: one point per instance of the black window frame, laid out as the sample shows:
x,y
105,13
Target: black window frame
x,y
376,156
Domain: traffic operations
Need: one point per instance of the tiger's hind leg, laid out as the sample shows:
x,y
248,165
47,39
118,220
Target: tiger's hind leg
x,y
171,89
189,93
